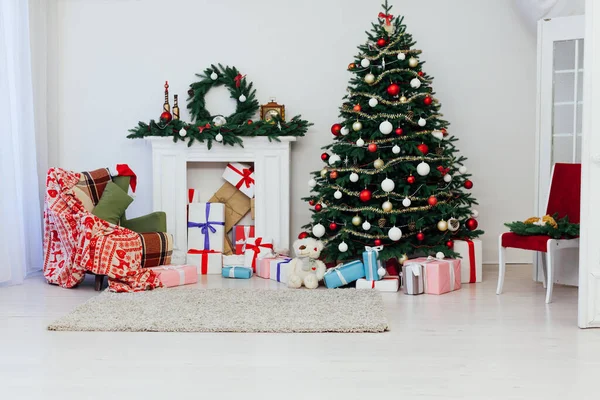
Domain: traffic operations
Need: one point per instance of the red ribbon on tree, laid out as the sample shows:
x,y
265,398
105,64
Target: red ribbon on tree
x,y
202,128
245,173
443,170
238,80
255,247
204,260
387,17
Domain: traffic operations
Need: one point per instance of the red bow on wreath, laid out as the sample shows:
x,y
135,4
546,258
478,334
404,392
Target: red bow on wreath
x,y
443,170
238,80
387,17
202,128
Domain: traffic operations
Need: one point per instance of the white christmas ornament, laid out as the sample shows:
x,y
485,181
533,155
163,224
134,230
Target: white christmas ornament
x,y
312,183
447,178
474,213
440,255
366,226
406,202
219,120
422,121
373,102
386,127
453,224
318,230
354,177
413,62
365,63
334,158
462,170
182,132
396,149
381,272
415,83
423,168
438,135
343,247
401,56
214,76
344,131
337,194
387,185
357,126
360,142
369,78
395,234
219,137
242,98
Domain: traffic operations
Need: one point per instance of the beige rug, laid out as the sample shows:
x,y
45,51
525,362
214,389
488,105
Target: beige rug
x,y
229,310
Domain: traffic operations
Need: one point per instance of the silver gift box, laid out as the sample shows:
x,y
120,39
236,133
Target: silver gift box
x,y
412,275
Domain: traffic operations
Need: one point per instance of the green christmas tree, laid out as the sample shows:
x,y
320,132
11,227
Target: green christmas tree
x,y
393,176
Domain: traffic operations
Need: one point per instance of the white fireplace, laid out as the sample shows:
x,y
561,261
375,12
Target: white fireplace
x,y
271,171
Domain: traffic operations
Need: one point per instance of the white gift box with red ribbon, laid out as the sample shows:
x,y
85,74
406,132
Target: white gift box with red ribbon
x,y
256,248
386,284
241,176
471,253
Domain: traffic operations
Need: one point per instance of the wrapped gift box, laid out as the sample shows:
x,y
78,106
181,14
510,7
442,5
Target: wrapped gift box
x,y
280,269
234,260
252,209
237,272
206,226
241,234
263,266
386,284
344,274
257,248
440,276
241,176
372,263
176,275
471,253
236,206
413,278
207,262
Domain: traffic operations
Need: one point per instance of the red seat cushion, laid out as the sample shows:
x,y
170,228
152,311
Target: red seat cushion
x,y
534,243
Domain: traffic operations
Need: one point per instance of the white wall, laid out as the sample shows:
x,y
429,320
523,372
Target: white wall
x,y
114,55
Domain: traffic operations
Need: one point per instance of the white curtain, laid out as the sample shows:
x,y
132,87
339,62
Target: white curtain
x,y
20,219
534,10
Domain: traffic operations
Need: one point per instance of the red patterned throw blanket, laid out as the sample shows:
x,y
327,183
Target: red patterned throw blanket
x,y
76,241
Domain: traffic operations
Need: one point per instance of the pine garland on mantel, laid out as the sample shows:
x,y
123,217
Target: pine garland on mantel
x,y
207,128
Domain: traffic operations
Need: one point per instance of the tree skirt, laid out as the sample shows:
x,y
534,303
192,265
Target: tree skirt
x,y
190,309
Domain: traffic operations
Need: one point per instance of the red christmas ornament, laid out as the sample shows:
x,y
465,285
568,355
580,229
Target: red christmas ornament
x,y
377,242
250,123
325,157
335,129
166,116
411,179
420,236
471,224
351,66
357,108
450,244
311,202
421,73
381,42
372,147
432,201
318,207
365,195
427,100
468,184
393,89
399,131
333,226
333,174
302,235
423,148
444,131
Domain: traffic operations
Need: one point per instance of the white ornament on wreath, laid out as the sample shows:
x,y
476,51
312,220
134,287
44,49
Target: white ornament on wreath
x,y
219,120
312,183
242,98
365,63
373,102
334,159
182,132
423,168
318,230
387,185
214,76
337,194
396,149
344,131
395,234
386,127
415,83
422,122
354,177
219,137
366,226
360,142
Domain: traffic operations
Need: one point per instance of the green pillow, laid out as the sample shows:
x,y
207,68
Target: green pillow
x,y
112,204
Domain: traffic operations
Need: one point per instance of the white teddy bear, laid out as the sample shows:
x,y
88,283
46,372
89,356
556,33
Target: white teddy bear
x,y
306,268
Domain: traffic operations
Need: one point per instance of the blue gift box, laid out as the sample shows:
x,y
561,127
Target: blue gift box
x,y
371,262
237,272
344,274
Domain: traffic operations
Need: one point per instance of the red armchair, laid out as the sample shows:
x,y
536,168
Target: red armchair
x,y
564,199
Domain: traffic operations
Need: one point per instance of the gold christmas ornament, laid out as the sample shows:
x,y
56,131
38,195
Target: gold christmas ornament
x,y
369,78
381,222
323,172
403,258
378,163
387,206
442,226
357,126
413,62
356,220
403,99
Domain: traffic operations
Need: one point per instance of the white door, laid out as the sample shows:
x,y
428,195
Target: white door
x,y
560,105
589,261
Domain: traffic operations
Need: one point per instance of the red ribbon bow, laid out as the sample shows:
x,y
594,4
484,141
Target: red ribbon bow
x,y
238,80
202,128
204,260
256,249
246,178
387,17
443,170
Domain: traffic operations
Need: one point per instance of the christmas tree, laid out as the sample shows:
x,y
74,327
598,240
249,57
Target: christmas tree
x,y
393,176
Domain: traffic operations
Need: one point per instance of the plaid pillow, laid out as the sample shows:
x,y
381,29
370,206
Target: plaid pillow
x,y
91,185
157,248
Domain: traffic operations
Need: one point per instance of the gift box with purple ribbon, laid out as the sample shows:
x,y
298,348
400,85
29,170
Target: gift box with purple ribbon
x,y
206,226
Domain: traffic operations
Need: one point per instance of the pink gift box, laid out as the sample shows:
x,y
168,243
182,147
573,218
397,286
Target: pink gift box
x,y
176,275
441,276
263,265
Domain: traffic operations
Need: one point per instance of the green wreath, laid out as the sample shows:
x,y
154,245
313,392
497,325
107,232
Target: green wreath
x,y
241,91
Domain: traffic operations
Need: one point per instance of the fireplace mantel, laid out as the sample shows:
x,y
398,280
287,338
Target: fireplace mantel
x,y
271,170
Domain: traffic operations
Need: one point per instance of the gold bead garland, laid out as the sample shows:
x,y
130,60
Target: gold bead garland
x,y
397,70
380,211
386,116
389,102
363,235
387,140
389,164
390,194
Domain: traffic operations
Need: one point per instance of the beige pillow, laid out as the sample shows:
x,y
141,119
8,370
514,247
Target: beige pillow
x,y
88,204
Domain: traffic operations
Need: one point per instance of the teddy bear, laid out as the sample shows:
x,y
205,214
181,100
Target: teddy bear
x,y
305,268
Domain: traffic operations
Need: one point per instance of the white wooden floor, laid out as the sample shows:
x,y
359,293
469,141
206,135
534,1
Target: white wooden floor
x,y
469,344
